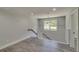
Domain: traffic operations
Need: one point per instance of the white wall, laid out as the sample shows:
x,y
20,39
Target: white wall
x,y
33,23
13,28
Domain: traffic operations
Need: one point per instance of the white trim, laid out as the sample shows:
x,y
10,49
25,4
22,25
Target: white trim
x,y
14,42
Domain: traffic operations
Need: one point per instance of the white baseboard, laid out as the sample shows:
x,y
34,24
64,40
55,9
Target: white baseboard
x,y
14,42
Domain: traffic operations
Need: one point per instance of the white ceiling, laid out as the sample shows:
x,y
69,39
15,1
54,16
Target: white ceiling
x,y
24,11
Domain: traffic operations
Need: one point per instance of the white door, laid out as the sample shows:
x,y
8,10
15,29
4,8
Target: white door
x,y
74,30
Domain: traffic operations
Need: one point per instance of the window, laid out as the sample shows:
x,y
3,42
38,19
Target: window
x,y
50,25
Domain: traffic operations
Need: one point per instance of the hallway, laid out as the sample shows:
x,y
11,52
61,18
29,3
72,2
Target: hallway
x,y
38,45
59,25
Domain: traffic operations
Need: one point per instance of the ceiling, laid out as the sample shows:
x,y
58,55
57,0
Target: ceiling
x,y
24,11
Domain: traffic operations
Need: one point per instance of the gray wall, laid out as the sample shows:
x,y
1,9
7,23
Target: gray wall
x,y
13,28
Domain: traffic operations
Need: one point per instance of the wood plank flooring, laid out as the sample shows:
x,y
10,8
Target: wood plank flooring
x,y
38,45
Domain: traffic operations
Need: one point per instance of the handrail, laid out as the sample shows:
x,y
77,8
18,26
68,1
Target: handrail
x,y
47,36
37,34
33,31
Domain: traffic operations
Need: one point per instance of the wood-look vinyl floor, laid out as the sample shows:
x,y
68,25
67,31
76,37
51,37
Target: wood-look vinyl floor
x,y
38,45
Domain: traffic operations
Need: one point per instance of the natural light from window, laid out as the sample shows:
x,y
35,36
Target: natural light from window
x,y
50,25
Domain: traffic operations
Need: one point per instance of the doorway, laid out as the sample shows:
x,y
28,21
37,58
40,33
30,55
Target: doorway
x,y
53,28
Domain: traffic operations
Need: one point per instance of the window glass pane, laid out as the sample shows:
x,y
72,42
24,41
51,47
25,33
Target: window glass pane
x,y
53,25
46,25
50,25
